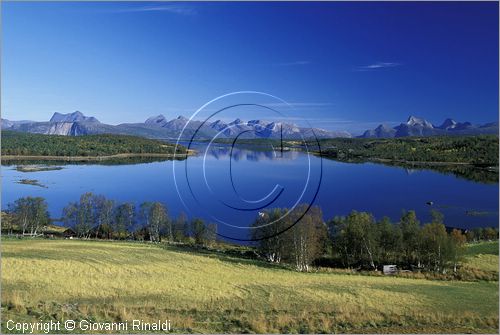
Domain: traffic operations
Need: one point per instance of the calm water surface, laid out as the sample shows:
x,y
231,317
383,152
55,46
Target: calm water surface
x,y
203,187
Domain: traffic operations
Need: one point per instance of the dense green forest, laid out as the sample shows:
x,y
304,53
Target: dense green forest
x,y
477,150
26,144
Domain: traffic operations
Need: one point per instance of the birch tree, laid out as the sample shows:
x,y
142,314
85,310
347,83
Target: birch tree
x,y
124,219
30,214
267,230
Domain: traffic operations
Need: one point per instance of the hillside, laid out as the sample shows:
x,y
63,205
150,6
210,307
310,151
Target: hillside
x,y
477,150
216,293
482,256
25,144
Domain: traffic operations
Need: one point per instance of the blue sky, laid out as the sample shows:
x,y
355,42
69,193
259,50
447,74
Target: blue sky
x,y
345,65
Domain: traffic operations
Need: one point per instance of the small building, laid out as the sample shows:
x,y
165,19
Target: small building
x,y
390,269
69,233
449,229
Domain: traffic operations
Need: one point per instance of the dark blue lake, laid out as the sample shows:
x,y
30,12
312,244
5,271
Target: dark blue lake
x,y
232,191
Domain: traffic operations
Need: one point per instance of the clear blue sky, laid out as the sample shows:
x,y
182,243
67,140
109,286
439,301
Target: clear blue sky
x,y
347,65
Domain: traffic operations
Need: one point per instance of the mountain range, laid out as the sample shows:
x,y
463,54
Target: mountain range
x,y
159,127
415,126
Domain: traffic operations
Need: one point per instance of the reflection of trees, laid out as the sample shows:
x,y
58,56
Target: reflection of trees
x,y
248,154
469,172
222,152
476,174
110,161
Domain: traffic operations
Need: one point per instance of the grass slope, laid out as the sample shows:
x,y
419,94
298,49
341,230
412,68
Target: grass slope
x,y
112,281
482,248
482,256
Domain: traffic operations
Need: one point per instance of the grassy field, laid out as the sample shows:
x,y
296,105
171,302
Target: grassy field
x,y
483,248
482,256
113,281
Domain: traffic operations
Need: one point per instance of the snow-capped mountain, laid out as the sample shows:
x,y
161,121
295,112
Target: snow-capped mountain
x,y
416,126
77,124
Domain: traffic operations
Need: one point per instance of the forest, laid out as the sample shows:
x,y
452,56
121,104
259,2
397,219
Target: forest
x,y
476,150
360,241
27,144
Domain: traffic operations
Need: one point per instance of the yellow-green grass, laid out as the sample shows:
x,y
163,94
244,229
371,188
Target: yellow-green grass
x,y
114,281
484,248
482,256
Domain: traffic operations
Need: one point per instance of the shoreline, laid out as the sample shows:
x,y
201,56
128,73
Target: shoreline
x,y
402,161
192,152
93,158
387,160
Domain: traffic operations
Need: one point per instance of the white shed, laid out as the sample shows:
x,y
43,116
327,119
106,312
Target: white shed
x,y
390,269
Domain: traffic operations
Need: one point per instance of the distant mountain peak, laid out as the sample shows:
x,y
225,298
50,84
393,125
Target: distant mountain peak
x,y
260,122
448,124
382,130
416,126
237,121
76,116
156,120
414,121
383,126
218,123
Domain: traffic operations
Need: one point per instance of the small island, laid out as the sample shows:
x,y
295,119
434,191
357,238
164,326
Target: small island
x,y
37,168
32,182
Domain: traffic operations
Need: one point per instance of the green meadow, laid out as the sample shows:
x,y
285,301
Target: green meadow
x,y
482,256
209,292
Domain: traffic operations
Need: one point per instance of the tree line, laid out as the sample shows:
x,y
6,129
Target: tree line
x,y
29,215
95,216
358,240
25,144
299,236
361,242
479,150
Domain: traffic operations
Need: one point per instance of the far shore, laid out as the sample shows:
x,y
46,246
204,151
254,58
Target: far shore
x,y
93,158
402,161
386,160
